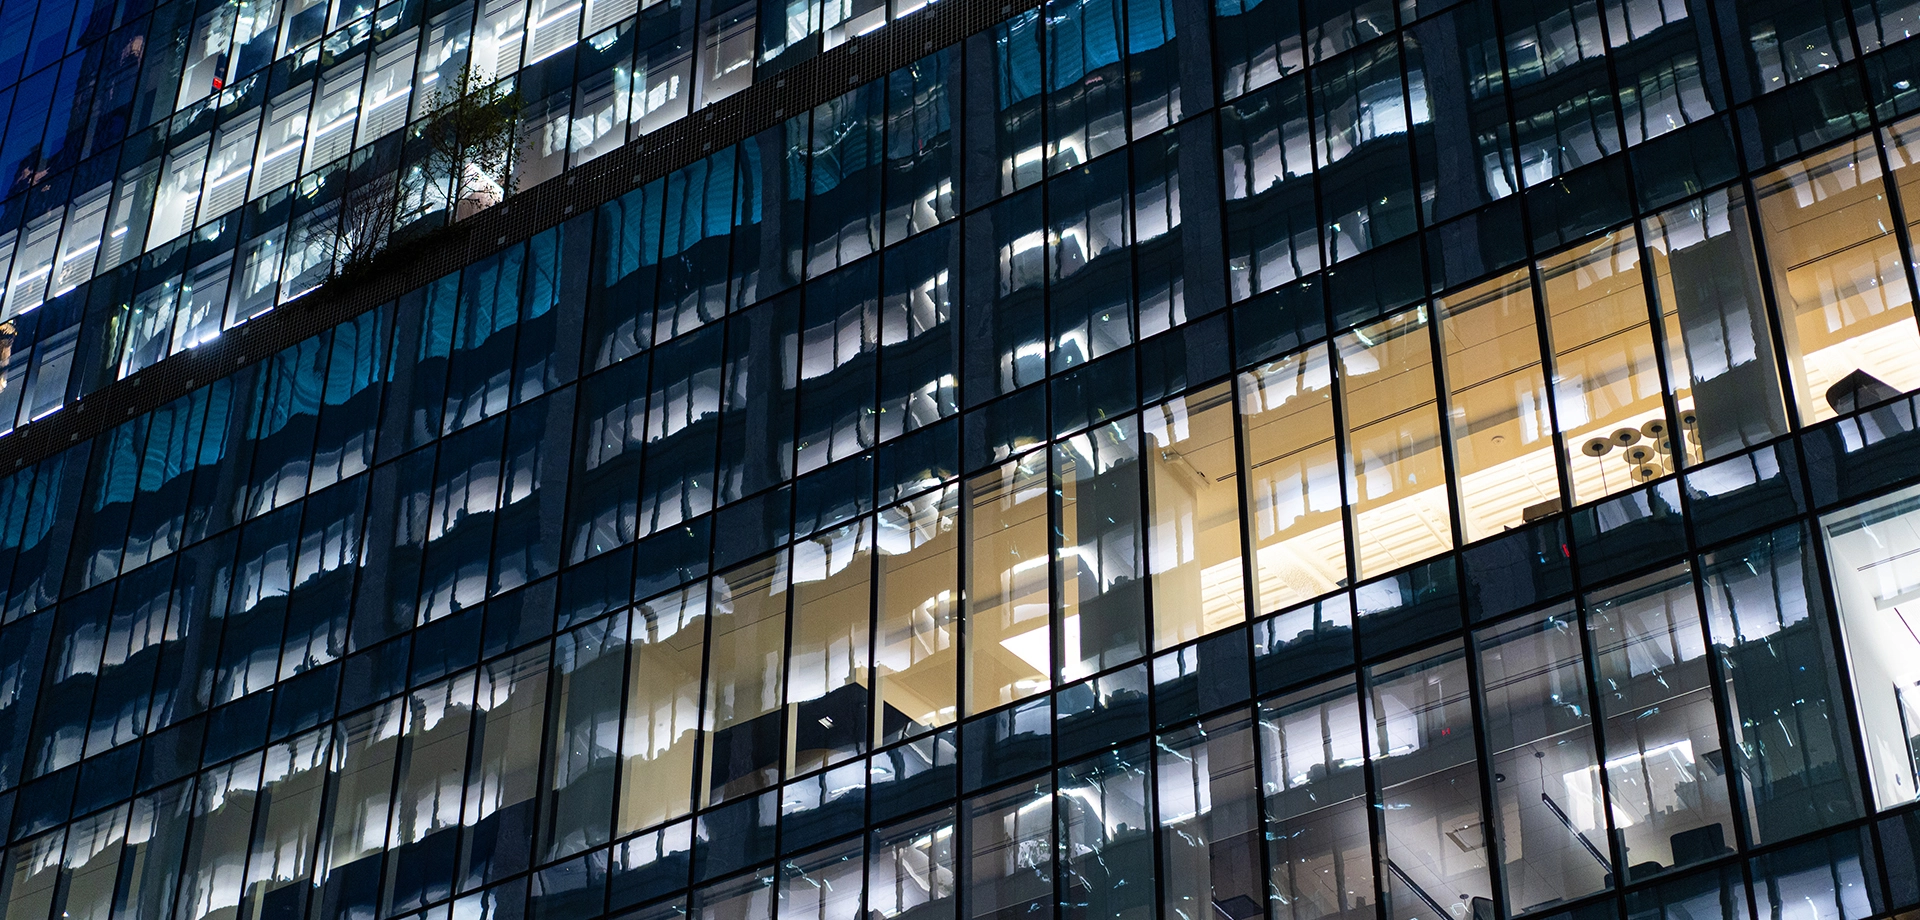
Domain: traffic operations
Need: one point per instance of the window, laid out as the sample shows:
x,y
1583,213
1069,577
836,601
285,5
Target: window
x,y
1396,474
745,679
1100,570
1313,759
828,663
1009,604
1549,808
1665,761
1875,579
1499,425
1606,371
1845,308
1433,844
1193,537
1293,480
916,663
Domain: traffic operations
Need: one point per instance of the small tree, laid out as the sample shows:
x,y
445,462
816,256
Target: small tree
x,y
367,218
467,141
347,235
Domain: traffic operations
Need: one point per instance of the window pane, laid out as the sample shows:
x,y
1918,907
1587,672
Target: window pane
x,y
1834,877
1009,643
426,819
1711,895
1266,154
744,679
1364,124
588,665
910,869
365,747
921,148
827,666
510,706
1606,373
1396,476
1666,767
1793,753
1009,841
1209,820
1193,546
1086,111
1293,479
1102,602
1256,43
746,897
838,341
1875,571
1089,263
1312,764
843,202
1106,848
279,871
668,644
1719,350
1846,311
1549,812
823,885
1499,428
915,668
156,836
32,875
1433,842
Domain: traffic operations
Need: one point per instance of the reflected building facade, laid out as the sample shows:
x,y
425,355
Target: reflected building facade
x,y
1142,459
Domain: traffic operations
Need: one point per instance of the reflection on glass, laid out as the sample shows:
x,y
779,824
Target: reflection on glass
x,y
1396,476
292,779
1717,894
823,884
1009,640
583,736
510,703
1828,878
1433,845
1874,552
1009,852
1549,812
1666,768
1714,322
668,641
92,861
1193,545
827,664
360,789
744,679
915,659
1312,764
1498,424
1089,266
1209,820
1840,281
910,869
31,875
426,815
1792,743
1292,479
1098,567
1106,845
745,897
1606,373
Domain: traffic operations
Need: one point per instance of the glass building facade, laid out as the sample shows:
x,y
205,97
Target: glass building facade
x,y
1290,459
